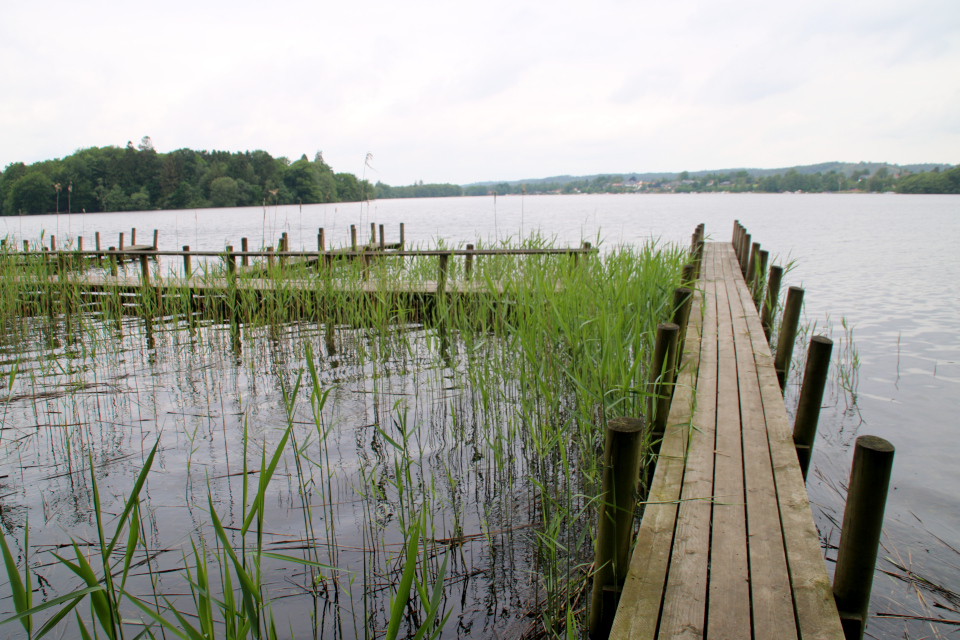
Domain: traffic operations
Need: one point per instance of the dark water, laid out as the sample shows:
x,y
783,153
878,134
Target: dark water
x,y
884,265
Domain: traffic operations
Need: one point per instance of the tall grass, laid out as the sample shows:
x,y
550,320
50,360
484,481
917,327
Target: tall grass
x,y
359,457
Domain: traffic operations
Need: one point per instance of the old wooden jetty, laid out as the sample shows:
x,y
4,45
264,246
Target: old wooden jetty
x,y
727,547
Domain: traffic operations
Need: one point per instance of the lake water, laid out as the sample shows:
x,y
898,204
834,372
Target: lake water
x,y
885,265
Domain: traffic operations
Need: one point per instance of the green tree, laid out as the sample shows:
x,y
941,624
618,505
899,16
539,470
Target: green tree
x,y
224,192
33,193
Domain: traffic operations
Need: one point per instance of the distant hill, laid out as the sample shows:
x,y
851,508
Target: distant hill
x,y
846,168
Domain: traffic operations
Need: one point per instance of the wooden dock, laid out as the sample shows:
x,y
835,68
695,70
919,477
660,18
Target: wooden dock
x,y
727,547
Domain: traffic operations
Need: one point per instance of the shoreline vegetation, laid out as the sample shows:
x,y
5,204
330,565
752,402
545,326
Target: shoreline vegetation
x,y
138,178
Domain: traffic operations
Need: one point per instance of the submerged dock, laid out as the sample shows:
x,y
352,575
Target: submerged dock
x,y
727,547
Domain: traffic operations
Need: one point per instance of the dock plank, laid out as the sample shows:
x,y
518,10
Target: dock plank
x,y
685,600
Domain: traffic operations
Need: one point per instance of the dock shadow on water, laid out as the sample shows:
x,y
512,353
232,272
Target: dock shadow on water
x,y
336,465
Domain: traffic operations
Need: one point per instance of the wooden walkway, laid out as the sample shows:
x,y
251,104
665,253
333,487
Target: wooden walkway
x,y
727,546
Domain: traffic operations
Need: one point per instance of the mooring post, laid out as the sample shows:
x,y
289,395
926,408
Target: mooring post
x,y
270,258
53,243
231,262
736,225
383,243
144,269
97,241
758,284
586,251
860,534
752,265
468,262
617,505
788,334
401,237
186,262
113,261
120,257
244,247
353,237
26,246
373,234
156,238
321,241
661,378
133,236
686,276
811,396
284,247
442,276
770,300
682,301
744,253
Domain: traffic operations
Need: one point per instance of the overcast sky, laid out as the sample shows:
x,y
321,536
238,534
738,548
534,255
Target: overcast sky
x,y
455,92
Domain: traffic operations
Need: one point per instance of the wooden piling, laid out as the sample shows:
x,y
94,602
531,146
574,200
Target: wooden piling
x,y
860,534
97,241
686,276
682,301
752,265
383,244
120,245
231,262
113,261
321,241
270,258
373,234
53,243
468,262
187,272
156,238
401,237
244,247
353,237
144,269
744,253
26,245
788,334
811,396
133,236
758,284
617,505
770,300
661,378
442,276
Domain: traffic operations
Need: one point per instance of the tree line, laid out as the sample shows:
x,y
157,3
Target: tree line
x,y
137,178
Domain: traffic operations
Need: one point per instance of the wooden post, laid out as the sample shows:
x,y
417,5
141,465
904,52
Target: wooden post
x,y
79,244
752,265
617,500
53,243
133,236
373,234
270,258
744,253
442,276
682,301
113,261
284,247
97,240
156,238
860,534
686,276
121,242
586,248
736,225
26,245
788,334
144,269
762,257
187,272
231,262
468,262
383,244
771,299
244,247
661,378
811,395
401,237
321,241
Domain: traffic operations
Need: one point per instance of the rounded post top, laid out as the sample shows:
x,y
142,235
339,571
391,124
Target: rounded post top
x,y
667,326
822,340
875,443
796,289
625,425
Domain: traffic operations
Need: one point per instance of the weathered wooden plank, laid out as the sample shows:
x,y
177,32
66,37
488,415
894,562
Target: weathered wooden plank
x,y
770,593
729,609
813,596
685,599
639,610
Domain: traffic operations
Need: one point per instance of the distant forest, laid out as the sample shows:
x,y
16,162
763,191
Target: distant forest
x,y
138,178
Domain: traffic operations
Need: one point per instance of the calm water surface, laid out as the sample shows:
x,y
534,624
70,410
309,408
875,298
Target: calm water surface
x,y
884,265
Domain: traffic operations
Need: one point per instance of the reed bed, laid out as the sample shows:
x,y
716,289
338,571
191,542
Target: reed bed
x,y
315,452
